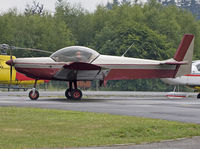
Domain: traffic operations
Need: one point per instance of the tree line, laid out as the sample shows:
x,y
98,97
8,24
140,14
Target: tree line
x,y
154,29
191,5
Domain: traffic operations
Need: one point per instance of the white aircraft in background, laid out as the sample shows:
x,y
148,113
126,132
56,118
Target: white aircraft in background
x,y
192,80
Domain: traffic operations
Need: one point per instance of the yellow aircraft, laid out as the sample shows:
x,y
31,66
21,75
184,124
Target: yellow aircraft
x,y
13,78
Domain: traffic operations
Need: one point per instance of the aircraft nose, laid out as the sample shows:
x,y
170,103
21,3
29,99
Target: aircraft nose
x,y
10,62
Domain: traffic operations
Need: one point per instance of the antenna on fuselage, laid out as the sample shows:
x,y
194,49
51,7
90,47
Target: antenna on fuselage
x,y
127,49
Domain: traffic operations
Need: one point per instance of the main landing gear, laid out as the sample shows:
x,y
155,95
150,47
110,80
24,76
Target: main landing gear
x,y
73,93
34,94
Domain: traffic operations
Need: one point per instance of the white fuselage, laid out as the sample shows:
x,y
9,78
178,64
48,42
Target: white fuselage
x,y
192,79
118,68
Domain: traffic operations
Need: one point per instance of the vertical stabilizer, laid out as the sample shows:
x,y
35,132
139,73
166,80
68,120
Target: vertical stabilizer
x,y
184,53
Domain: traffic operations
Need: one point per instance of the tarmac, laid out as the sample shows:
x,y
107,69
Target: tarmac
x,y
142,104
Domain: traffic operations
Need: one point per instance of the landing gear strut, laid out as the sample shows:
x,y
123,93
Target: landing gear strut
x,y
34,94
73,93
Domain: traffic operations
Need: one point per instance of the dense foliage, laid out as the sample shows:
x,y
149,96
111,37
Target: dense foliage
x,y
191,5
154,29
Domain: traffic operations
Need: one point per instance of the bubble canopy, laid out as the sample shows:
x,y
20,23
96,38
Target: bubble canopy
x,y
75,54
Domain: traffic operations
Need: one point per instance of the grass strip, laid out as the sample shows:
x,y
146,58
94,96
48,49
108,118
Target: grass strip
x,y
46,128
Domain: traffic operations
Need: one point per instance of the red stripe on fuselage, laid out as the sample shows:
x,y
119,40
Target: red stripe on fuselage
x,y
114,74
193,75
121,74
39,73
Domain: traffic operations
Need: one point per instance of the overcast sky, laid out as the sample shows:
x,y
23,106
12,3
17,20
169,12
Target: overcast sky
x,y
48,4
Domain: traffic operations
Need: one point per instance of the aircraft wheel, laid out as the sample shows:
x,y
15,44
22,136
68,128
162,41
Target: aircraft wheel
x,y
68,94
33,96
198,96
76,94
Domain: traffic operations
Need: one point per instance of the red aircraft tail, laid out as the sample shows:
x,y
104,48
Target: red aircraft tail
x,y
184,53
183,48
183,56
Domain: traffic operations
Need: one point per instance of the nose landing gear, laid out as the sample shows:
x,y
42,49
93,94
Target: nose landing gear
x,y
34,94
73,93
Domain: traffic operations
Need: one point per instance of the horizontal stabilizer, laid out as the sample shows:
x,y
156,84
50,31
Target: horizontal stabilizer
x,y
81,66
174,63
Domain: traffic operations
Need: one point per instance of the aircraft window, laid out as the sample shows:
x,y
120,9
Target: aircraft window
x,y
198,67
74,54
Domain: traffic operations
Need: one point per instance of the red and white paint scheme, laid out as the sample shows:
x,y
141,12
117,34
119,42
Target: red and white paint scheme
x,y
192,79
176,95
77,63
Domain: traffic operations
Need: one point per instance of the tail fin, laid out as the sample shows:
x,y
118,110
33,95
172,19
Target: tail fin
x,y
183,56
184,53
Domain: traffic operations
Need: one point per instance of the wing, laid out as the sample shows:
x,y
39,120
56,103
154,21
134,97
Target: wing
x,y
81,71
82,66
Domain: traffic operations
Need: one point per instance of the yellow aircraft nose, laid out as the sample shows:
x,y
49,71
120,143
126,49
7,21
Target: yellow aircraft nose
x,y
10,62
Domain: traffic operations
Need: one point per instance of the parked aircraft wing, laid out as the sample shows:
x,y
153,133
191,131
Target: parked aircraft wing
x,y
82,66
81,71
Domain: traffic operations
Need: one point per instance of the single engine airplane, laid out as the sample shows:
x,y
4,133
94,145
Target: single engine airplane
x,y
77,63
191,80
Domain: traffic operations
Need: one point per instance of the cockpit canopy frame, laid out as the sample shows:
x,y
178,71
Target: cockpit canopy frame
x,y
75,54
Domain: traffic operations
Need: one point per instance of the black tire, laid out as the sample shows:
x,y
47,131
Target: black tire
x,y
68,94
76,94
198,96
33,97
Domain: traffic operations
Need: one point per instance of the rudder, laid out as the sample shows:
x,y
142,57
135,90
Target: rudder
x,y
184,53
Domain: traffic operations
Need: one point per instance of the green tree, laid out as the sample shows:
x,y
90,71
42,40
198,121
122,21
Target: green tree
x,y
34,31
